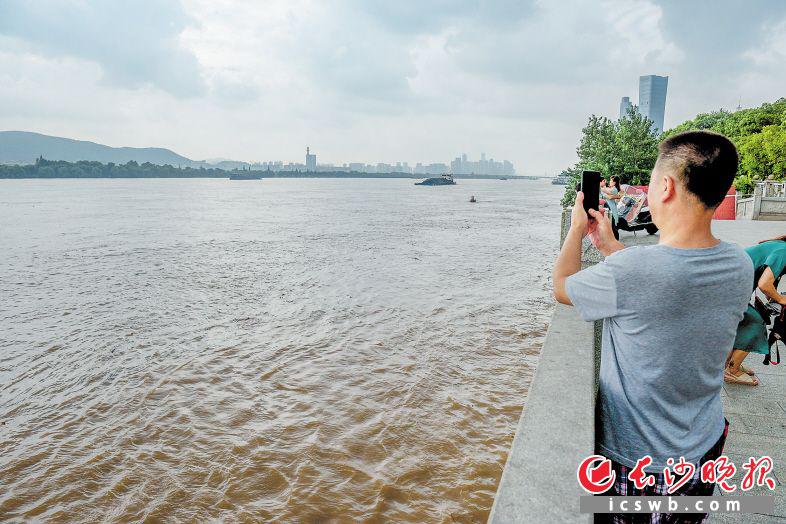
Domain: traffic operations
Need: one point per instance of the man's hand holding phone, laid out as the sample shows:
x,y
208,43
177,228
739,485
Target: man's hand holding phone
x,y
569,260
597,225
601,234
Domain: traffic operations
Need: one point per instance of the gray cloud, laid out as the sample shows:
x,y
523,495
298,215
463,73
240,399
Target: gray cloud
x,y
414,18
716,34
134,43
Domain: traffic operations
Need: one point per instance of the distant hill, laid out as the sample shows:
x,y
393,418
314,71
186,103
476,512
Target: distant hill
x,y
23,147
229,165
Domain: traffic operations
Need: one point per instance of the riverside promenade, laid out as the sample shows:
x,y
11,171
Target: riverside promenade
x,y
557,426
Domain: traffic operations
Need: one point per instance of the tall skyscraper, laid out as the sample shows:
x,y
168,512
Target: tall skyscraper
x,y
625,106
311,161
652,98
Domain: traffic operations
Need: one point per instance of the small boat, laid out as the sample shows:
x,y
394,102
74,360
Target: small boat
x,y
472,199
503,178
245,176
444,180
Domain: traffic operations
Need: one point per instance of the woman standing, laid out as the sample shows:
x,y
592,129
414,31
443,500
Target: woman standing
x,y
769,265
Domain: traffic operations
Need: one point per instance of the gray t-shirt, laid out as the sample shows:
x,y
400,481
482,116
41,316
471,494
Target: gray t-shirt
x,y
670,318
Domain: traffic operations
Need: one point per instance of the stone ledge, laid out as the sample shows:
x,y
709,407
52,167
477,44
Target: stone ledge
x,y
556,430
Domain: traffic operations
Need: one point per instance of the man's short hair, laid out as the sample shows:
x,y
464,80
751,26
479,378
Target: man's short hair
x,y
704,161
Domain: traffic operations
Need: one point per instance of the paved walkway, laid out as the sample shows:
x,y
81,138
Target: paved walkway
x,y
757,415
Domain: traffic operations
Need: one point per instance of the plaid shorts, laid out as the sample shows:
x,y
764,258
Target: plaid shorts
x,y
694,487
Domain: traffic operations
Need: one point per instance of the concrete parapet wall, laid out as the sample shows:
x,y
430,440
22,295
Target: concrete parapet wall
x,y
772,208
745,207
556,430
557,426
759,207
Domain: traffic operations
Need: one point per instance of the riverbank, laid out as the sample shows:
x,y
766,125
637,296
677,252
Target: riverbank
x,y
57,169
557,426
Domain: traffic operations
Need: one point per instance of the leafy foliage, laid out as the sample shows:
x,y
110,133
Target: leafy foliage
x,y
627,148
744,184
89,169
574,177
759,134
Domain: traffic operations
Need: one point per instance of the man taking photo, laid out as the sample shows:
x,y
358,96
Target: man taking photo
x,y
670,313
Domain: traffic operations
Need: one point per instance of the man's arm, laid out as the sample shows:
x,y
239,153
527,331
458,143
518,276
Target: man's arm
x,y
569,260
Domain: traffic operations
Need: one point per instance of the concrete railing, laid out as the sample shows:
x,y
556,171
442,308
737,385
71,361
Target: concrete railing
x,y
556,430
761,207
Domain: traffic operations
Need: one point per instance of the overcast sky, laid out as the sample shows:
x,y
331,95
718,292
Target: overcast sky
x,y
374,80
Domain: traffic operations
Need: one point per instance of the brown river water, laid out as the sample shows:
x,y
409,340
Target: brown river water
x,y
254,351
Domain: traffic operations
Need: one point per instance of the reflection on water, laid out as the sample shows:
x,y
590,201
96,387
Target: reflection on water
x,y
292,350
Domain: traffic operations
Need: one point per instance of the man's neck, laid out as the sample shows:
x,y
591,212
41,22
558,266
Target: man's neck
x,y
688,232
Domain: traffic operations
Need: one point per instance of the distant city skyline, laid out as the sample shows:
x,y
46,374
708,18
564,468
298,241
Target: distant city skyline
x,y
461,165
22,147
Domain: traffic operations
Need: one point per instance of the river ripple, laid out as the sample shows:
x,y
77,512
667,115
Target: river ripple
x,y
277,350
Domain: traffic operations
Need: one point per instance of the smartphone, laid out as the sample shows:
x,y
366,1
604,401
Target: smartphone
x,y
590,186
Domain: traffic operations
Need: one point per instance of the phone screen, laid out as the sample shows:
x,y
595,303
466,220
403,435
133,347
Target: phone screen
x,y
590,186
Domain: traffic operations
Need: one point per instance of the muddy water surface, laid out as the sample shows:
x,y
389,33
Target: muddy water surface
x,y
277,350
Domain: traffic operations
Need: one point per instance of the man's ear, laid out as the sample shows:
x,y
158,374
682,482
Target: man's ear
x,y
669,188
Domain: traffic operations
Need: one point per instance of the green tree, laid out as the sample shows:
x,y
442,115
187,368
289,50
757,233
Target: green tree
x,y
764,154
759,134
626,148
574,176
596,148
636,148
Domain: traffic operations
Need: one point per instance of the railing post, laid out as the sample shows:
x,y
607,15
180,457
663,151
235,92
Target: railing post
x,y
757,192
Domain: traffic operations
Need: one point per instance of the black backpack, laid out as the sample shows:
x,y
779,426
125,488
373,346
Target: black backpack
x,y
777,331
767,312
777,334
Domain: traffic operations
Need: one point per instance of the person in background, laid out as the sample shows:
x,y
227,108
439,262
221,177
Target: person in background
x,y
611,194
769,265
670,312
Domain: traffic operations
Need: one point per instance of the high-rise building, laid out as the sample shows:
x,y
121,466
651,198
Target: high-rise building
x,y
652,98
462,166
311,161
625,106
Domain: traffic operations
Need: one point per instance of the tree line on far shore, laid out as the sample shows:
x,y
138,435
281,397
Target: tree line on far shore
x,y
628,147
44,168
